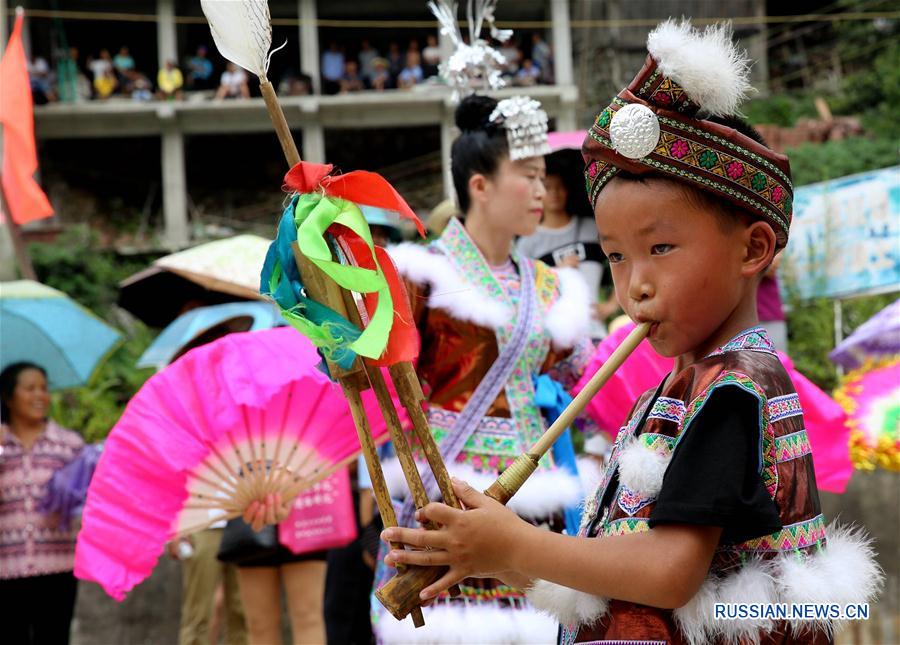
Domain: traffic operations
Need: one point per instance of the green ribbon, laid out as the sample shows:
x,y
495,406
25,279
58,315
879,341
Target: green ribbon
x,y
313,215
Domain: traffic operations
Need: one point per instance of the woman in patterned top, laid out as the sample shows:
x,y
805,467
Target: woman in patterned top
x,y
37,588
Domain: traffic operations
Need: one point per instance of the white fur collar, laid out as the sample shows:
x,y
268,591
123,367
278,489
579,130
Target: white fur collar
x,y
567,321
449,291
569,318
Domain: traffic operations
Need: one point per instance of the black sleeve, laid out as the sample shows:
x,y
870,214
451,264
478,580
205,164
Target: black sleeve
x,y
714,478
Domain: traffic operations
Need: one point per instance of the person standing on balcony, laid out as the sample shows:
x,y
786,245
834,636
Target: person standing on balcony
x,y
332,69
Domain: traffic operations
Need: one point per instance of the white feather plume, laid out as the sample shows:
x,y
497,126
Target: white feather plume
x,y
707,64
242,31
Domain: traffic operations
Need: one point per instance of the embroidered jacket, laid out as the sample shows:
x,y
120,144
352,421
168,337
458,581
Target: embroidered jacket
x,y
463,311
793,565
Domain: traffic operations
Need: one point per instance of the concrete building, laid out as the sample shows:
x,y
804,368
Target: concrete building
x,y
590,60
311,118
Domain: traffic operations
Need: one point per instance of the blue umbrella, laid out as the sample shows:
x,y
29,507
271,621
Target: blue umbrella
x,y
194,323
41,325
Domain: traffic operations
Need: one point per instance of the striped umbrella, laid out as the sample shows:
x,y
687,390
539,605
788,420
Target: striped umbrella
x,y
44,326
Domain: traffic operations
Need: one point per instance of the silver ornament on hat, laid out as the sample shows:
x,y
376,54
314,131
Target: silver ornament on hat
x,y
634,131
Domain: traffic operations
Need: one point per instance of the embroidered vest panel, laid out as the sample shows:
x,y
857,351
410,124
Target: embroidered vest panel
x,y
787,472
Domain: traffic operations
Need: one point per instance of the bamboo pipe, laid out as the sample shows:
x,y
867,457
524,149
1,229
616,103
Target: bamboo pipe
x,y
400,595
312,277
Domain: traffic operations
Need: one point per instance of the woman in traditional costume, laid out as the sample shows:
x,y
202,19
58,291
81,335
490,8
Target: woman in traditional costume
x,y
495,327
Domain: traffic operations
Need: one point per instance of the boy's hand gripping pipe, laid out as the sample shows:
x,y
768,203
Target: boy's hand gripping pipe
x,y
400,595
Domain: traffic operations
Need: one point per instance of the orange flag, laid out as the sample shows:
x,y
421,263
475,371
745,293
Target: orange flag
x,y
25,198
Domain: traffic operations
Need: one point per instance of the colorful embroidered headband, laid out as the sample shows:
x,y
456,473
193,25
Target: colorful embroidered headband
x,y
658,125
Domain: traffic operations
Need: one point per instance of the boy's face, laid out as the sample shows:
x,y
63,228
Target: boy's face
x,y
672,263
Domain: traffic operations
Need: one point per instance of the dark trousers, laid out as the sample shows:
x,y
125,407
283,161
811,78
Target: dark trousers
x,y
348,584
37,610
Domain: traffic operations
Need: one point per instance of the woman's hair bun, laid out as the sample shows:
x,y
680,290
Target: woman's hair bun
x,y
473,112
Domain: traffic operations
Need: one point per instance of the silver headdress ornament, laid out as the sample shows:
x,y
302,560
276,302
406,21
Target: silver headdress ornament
x,y
478,63
526,126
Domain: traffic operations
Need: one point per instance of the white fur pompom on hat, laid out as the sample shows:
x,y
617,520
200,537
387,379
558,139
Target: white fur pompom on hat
x,y
707,64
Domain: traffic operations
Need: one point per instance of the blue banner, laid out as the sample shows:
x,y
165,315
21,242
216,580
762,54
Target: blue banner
x,y
845,237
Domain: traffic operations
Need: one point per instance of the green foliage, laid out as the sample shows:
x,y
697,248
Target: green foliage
x,y
77,265
782,109
814,162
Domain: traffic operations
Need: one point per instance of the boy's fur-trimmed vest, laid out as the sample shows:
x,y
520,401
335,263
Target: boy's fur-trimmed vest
x,y
792,566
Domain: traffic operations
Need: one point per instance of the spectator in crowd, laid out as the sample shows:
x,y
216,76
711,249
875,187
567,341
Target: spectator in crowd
x,y
233,84
567,236
72,84
332,69
513,55
105,84
37,553
381,75
123,62
351,81
99,66
413,46
138,86
411,74
528,74
41,79
395,60
367,54
200,71
293,84
169,82
542,56
431,56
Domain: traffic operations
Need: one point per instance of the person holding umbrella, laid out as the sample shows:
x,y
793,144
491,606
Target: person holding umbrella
x,y
37,588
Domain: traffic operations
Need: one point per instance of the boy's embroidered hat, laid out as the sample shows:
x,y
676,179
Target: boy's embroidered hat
x,y
659,125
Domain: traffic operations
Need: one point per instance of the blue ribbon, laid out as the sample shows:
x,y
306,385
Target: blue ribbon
x,y
552,397
330,332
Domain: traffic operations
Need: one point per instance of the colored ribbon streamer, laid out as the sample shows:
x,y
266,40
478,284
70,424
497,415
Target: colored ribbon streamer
x,y
314,214
329,332
323,218
359,187
552,397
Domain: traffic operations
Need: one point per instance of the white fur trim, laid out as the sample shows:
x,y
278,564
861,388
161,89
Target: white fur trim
x,y
448,290
569,606
568,319
590,472
642,468
844,572
707,64
693,619
545,492
476,623
752,583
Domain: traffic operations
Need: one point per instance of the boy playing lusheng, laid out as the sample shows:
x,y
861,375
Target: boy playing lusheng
x,y
709,496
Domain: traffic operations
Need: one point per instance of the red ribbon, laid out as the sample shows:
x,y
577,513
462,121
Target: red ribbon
x,y
403,341
359,187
